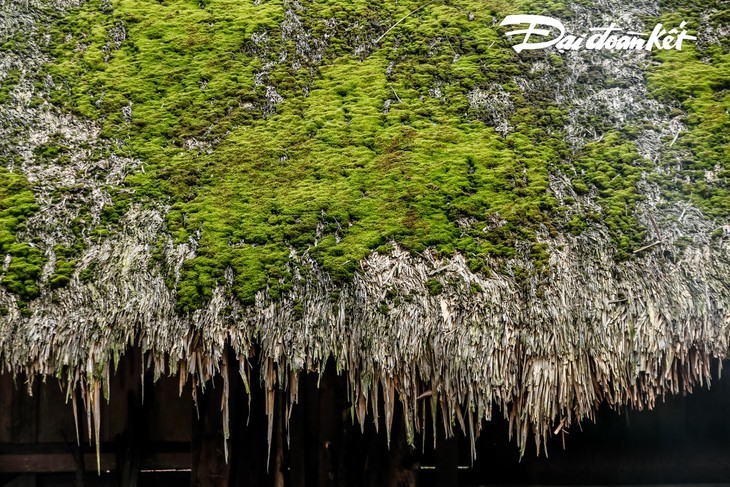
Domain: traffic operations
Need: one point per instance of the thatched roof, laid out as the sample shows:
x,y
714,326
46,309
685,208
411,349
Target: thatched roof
x,y
542,343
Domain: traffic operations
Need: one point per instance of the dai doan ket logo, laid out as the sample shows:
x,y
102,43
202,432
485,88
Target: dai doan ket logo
x,y
604,38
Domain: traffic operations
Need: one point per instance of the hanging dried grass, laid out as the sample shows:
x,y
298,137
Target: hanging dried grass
x,y
545,362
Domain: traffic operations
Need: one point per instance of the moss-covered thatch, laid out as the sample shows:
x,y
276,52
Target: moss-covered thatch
x,y
451,222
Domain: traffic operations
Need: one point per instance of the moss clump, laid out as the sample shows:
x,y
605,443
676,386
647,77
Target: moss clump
x,y
697,80
50,150
65,265
613,169
434,287
6,86
17,203
88,273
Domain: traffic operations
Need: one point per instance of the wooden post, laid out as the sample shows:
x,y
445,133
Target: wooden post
x,y
402,471
278,466
297,458
311,428
248,432
131,445
447,458
329,426
24,413
24,422
209,467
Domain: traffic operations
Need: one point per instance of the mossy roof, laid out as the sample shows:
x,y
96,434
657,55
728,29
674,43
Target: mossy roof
x,y
276,148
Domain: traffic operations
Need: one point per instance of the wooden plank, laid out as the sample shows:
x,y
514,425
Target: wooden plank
x,y
169,413
248,446
64,462
329,427
163,461
24,413
447,458
49,462
209,467
6,401
297,453
55,416
25,480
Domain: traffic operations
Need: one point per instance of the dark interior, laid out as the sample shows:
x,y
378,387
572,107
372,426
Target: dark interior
x,y
166,442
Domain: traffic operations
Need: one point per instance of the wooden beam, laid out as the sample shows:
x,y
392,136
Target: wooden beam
x,y
64,462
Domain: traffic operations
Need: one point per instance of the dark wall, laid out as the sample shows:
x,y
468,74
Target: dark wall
x,y
685,439
38,445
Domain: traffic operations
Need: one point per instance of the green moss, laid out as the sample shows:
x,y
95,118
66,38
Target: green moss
x,y
613,169
327,169
51,149
16,205
298,311
697,79
6,86
65,265
88,273
434,287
